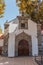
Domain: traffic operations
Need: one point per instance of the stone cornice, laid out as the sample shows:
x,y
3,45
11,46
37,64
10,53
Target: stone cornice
x,y
22,17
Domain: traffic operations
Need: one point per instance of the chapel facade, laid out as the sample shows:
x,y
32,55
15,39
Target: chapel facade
x,y
22,37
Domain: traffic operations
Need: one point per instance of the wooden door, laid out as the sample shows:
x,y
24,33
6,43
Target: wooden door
x,y
23,48
0,50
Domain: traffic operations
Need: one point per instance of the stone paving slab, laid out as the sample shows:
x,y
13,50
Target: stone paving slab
x,y
17,61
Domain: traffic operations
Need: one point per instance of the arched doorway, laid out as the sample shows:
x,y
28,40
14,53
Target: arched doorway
x,y
23,48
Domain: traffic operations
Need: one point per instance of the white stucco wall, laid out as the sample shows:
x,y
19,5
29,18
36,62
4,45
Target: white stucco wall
x,y
1,42
11,44
34,46
32,31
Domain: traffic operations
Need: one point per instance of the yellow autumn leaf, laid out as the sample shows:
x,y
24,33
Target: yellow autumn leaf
x,y
2,7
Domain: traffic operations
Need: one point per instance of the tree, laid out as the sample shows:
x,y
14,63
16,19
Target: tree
x,y
26,6
38,14
2,8
31,8
40,11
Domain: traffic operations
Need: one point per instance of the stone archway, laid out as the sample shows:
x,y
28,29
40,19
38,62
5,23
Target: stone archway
x,y
23,48
23,36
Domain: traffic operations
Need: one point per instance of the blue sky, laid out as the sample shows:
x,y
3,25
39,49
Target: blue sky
x,y
11,11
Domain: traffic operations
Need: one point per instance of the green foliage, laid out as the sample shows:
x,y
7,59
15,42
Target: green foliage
x,y
31,8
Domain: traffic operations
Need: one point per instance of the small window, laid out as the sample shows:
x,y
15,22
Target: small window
x,y
22,25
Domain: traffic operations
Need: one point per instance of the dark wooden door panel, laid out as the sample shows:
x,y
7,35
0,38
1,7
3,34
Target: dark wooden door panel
x,y
23,48
0,50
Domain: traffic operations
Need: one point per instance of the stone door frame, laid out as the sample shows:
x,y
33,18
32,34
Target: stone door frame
x,y
24,36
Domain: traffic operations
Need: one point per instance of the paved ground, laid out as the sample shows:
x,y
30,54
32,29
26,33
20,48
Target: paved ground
x,y
17,61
